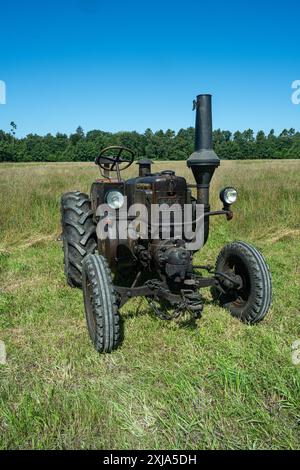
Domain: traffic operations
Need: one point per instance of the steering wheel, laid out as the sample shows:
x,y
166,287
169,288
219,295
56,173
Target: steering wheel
x,y
111,158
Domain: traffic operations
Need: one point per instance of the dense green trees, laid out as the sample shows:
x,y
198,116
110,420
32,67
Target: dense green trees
x,y
163,145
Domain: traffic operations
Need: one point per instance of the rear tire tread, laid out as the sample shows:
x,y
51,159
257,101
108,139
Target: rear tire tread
x,y
78,234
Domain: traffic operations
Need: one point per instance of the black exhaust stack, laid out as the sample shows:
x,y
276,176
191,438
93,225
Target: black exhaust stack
x,y
203,160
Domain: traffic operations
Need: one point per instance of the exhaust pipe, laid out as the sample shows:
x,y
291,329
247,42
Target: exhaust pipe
x,y
203,125
203,160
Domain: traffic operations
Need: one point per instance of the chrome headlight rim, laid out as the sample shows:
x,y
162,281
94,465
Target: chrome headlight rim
x,y
228,195
115,199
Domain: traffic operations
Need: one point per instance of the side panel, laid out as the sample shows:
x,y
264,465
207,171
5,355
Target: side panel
x,y
100,188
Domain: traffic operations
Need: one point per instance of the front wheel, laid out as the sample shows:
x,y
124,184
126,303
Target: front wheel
x,y
251,300
100,302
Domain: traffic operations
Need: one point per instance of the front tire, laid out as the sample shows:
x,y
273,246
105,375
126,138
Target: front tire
x,y
100,302
252,301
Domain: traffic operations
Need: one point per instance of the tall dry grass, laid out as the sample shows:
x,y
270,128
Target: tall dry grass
x,y
268,205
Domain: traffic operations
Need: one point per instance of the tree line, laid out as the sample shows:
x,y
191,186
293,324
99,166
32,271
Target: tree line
x,y
160,145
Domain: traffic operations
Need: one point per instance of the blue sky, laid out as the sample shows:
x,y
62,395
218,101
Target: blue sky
x,y
131,65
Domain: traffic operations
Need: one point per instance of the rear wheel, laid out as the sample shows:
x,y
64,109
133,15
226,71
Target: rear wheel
x,y
78,234
100,302
251,300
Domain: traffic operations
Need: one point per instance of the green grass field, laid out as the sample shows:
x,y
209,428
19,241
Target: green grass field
x,y
216,384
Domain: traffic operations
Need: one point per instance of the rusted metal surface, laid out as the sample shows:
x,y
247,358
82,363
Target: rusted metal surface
x,y
160,269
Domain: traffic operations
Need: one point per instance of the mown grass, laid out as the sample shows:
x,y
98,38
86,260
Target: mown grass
x,y
214,384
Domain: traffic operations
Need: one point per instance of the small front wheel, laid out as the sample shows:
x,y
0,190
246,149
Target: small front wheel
x,y
100,302
251,300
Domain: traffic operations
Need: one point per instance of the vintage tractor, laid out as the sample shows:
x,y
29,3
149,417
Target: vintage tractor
x,y
114,269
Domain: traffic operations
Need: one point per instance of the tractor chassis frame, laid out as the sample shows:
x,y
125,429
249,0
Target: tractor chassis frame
x,y
158,289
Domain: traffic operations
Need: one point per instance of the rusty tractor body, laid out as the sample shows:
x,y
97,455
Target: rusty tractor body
x,y
112,264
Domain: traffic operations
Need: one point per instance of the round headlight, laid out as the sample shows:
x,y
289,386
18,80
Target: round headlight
x,y
115,199
228,195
